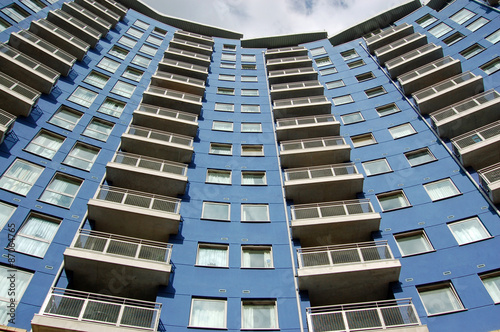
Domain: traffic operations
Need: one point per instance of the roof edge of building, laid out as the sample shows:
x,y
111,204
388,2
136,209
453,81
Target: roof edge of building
x,y
284,40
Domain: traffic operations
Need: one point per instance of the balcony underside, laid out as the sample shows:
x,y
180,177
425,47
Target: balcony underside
x,y
289,78
15,103
333,154
345,229
481,154
177,85
416,62
437,75
349,283
170,102
26,75
297,92
406,31
302,110
286,54
322,129
289,64
156,148
172,125
59,324
132,221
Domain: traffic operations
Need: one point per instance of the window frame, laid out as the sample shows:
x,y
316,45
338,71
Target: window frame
x,y
135,78
417,151
456,37
31,183
244,130
96,83
221,171
249,78
254,205
342,102
228,65
396,136
228,57
221,246
462,18
4,219
111,112
496,67
47,133
441,285
62,175
328,71
95,119
378,90
248,66
260,247
329,87
227,77
469,51
248,58
370,173
450,182
36,238
248,107
264,178
225,91
67,109
148,49
317,51
428,247
426,20
155,40
140,60
118,89
360,79
215,124
478,223
193,299
491,275
118,52
394,193
206,203
477,25
250,302
221,109
212,145
356,64
108,65
493,37
252,154
440,30
76,98
323,61
88,146
392,106
19,293
346,116
358,145
351,54
249,92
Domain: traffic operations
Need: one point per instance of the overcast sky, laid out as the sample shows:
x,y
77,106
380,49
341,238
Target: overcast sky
x,y
261,18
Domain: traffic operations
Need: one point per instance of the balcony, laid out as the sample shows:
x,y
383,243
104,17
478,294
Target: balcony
x,y
467,114
284,52
489,178
72,310
334,222
186,56
314,151
60,38
172,99
160,118
95,257
26,69
292,75
388,36
156,176
287,63
115,7
400,47
183,68
394,315
15,97
429,74
74,26
307,127
194,37
136,214
289,108
296,89
178,83
323,183
191,46
158,144
6,123
448,92
341,273
479,148
87,17
414,59
95,7
43,51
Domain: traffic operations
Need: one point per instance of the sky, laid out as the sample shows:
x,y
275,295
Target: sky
x,y
262,18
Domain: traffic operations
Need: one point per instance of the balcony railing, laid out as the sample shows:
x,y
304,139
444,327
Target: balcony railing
x,y
150,163
312,143
295,85
188,53
286,60
180,78
92,19
130,247
184,65
181,33
48,47
99,308
95,6
475,136
444,85
6,119
285,49
398,43
77,23
163,136
410,55
174,94
320,172
331,209
388,35
192,44
169,113
301,101
305,70
18,87
21,58
424,69
138,199
362,316
63,34
288,122
489,175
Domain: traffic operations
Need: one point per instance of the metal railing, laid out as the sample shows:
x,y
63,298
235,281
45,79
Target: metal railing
x,y
291,71
331,209
192,34
411,55
138,199
362,316
424,69
168,113
398,43
475,136
25,60
63,34
99,308
488,175
300,101
89,14
185,65
130,247
179,78
77,23
289,59
174,94
117,4
163,136
188,53
287,122
386,33
47,46
18,87
444,85
296,85
190,43
285,49
312,143
6,119
100,7
154,164
320,171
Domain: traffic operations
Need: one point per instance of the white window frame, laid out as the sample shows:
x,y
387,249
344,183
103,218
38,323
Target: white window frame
x,y
155,40
477,24
247,248
219,171
191,316
16,180
342,100
450,40
389,108
250,92
108,64
228,47
249,173
223,218
141,24
420,234
114,113
89,162
414,152
249,150
249,108
400,195
46,242
132,77
328,71
356,64
493,37
349,54
442,196
443,285
214,145
118,52
345,118
247,78
492,288
361,77
228,57
248,58
462,16
371,162
472,51
63,122
217,246
440,30
76,97
396,135
250,302
482,232
248,66
141,61
7,211
323,61
222,125
225,91
35,143
59,176
227,77
362,140
338,84
21,287
255,124
100,134
148,49
227,65
317,51
426,20
98,84
244,217
123,89
224,107
377,91
134,32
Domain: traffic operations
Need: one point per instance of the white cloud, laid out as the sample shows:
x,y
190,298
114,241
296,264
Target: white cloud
x,y
260,18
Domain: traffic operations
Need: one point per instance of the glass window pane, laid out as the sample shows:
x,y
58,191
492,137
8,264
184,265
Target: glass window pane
x,y
318,51
256,257
118,52
223,126
341,100
477,24
426,20
108,65
492,285
494,37
440,30
250,109
253,178
98,129
223,149
254,212
96,79
335,84
223,107
217,211
419,157
66,118
387,109
45,144
133,74
362,140
413,243
208,313
36,234
249,92
20,177
123,89
83,97
402,131
352,118
394,200
462,16
82,156
6,212
251,127
328,71
440,300
441,189
252,150
212,255
141,61
325,61
259,315
112,107
469,230
218,176
376,167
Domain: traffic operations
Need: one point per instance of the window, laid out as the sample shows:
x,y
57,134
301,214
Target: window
x,y
225,91
468,230
3,26
228,57
108,64
98,129
412,243
471,51
247,66
141,24
222,149
494,37
222,125
377,91
61,190
376,167
250,127
133,74
259,315
208,313
362,140
492,66
22,281
229,47
318,51
441,189
477,24
6,211
254,212
123,89
387,109
253,178
45,144
65,118
249,79
355,64
224,77
402,131
227,65
349,54
134,32
214,255
462,16
341,100
250,108
250,92
20,177
83,97
215,211
252,150
149,50
155,40
419,157
16,13
256,257
393,200
439,298
158,31
334,84
112,107
352,118
118,52
453,38
141,61
36,234
491,282
96,79
82,156
440,30
324,61
223,107
426,20
218,176
248,58
365,77
328,71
